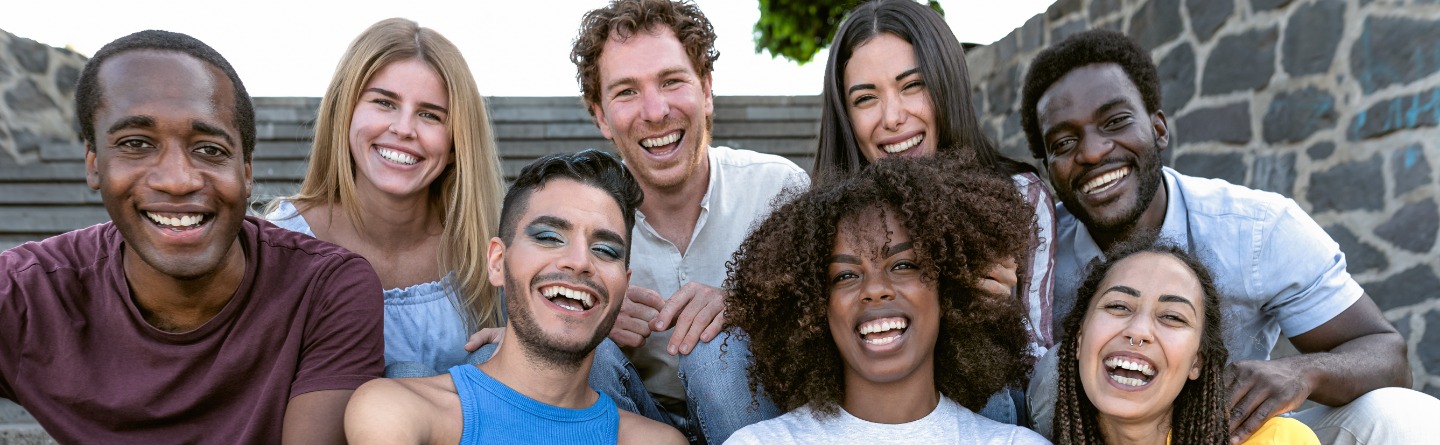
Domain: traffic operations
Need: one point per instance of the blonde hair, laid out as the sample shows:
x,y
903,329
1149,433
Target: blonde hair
x,y
467,192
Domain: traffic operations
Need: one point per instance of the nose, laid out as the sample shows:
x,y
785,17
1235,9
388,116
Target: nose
x,y
1093,148
878,287
653,106
175,174
1139,331
575,258
403,125
894,112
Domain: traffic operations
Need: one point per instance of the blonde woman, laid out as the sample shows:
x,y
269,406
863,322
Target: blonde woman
x,y
404,172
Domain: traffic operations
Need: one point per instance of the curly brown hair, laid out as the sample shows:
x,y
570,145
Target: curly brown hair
x,y
623,18
1199,414
961,220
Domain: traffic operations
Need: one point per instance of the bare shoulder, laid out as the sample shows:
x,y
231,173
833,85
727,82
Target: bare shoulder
x,y
417,410
638,429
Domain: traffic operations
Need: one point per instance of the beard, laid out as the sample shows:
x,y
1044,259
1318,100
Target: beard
x,y
540,346
1147,172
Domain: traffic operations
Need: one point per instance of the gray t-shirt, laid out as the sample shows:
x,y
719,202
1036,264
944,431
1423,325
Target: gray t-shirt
x,y
948,423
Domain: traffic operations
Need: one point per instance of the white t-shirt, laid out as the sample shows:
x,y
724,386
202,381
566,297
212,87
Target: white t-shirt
x,y
948,423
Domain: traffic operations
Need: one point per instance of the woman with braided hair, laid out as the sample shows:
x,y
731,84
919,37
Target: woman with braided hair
x,y
1144,361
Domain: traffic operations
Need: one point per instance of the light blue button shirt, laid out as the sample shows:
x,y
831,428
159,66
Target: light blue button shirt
x,y
1277,271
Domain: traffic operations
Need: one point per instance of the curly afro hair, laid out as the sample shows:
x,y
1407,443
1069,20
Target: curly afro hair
x,y
961,220
1086,48
1199,415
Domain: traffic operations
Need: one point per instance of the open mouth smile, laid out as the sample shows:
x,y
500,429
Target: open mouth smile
x,y
883,331
569,299
396,156
1130,371
903,145
178,222
662,145
1105,182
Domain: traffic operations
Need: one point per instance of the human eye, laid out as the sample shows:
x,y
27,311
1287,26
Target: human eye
x,y
1116,308
862,100
905,265
134,144
1174,319
1117,122
842,277
546,237
608,251
432,116
1062,146
212,151
915,85
383,103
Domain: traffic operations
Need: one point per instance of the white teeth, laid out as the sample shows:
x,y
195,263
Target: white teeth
x,y
1127,381
1141,367
584,298
882,341
183,221
397,156
903,145
882,326
660,141
1104,181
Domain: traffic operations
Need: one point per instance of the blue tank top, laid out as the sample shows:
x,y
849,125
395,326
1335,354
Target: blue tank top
x,y
494,413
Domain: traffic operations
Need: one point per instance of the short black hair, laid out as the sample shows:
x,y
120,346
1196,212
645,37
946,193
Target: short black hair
x,y
88,94
1086,48
590,167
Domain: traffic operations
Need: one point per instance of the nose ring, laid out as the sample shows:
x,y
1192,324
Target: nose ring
x,y
1132,342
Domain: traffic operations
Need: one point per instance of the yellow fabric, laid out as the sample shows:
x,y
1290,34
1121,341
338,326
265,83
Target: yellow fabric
x,y
1283,431
1279,431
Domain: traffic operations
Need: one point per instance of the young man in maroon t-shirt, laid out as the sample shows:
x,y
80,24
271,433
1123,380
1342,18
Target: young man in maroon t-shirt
x,y
182,320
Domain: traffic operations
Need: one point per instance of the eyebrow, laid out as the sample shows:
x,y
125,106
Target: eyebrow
x,y
871,86
147,122
131,122
393,95
1165,298
630,80
889,252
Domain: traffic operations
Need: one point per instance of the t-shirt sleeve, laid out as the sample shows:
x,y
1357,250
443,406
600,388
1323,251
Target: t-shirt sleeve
x,y
1303,270
344,344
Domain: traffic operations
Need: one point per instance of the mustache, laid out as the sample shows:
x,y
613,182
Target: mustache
x,y
561,277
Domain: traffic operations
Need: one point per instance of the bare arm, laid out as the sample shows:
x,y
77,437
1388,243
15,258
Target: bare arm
x,y
1352,354
315,418
384,412
638,429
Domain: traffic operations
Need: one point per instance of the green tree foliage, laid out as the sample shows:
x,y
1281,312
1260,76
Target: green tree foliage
x,y
797,29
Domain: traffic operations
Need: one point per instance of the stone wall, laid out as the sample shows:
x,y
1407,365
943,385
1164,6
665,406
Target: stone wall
x,y
37,96
1334,103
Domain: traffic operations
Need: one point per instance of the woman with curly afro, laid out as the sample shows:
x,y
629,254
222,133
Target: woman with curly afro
x,y
865,313
1143,360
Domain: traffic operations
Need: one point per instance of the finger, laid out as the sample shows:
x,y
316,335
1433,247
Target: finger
x,y
646,297
1252,423
714,329
1245,407
483,337
626,338
692,324
638,310
673,307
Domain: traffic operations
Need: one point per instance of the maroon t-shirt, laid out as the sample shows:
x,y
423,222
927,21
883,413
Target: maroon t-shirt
x,y
76,353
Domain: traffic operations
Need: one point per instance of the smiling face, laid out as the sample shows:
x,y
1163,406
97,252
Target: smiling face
x,y
399,138
564,273
654,107
169,163
887,100
1151,297
1102,148
884,317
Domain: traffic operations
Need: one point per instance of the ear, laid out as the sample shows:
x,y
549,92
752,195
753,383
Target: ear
x,y
1162,130
92,172
709,94
495,262
249,180
600,121
1195,368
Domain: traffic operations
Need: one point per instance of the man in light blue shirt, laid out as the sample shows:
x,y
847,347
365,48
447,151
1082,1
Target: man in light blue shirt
x,y
1091,113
